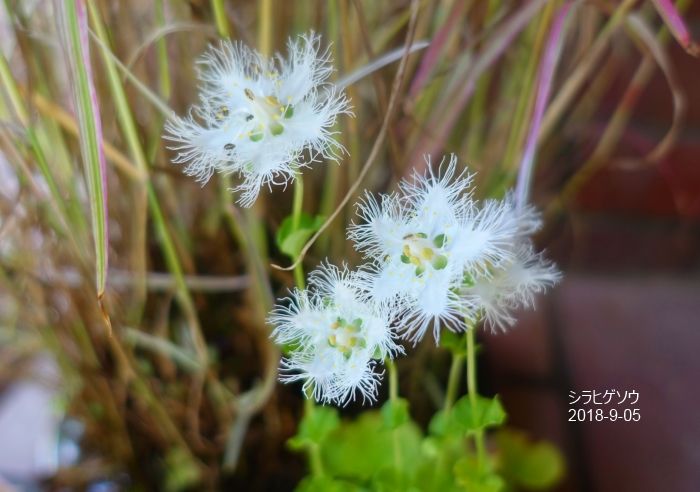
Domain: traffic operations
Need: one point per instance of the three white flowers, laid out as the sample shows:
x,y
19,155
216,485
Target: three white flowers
x,y
436,257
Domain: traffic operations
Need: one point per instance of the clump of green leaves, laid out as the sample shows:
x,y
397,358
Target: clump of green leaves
x,y
386,450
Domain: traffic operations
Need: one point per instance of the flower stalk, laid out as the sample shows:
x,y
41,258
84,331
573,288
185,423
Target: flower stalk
x,y
473,393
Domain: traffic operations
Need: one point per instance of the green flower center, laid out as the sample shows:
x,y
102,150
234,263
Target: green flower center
x,y
346,336
420,250
269,115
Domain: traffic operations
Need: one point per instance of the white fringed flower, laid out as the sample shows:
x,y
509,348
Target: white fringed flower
x,y
263,118
510,287
425,239
337,335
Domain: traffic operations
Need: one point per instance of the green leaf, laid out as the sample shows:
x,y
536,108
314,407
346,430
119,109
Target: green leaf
x,y
531,465
181,470
392,480
360,449
315,427
290,240
488,412
474,478
442,424
395,413
327,484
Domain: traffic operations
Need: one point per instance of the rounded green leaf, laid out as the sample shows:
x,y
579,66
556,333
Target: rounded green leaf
x,y
315,427
486,412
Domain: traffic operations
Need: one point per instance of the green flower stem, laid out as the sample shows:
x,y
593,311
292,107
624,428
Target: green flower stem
x,y
393,380
297,207
220,18
313,450
394,398
473,392
265,21
453,381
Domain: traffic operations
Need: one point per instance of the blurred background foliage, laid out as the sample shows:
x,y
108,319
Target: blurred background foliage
x,y
170,369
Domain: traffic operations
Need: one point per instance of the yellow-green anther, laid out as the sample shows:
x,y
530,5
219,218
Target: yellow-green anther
x,y
289,112
221,113
405,259
256,137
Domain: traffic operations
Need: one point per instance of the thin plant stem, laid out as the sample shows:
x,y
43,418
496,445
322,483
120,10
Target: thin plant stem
x,y
265,28
394,398
297,207
313,451
472,391
453,381
162,53
393,380
220,18
526,97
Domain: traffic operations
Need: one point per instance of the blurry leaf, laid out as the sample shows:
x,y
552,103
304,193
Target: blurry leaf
x,y
181,471
392,480
290,240
359,449
454,342
475,479
435,475
327,484
488,412
530,465
315,427
395,413
442,425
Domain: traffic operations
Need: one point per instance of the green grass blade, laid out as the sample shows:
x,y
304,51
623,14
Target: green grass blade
x,y
75,30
